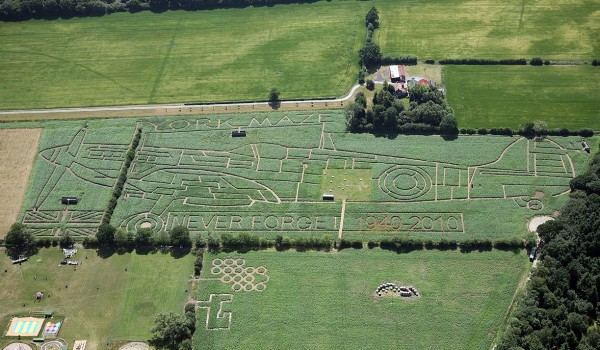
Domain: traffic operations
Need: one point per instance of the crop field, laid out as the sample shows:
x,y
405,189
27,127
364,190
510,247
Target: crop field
x,y
510,96
318,300
18,150
102,299
306,50
190,171
490,29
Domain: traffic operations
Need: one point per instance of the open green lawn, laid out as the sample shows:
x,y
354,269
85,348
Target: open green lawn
x,y
326,301
510,96
104,299
305,50
565,30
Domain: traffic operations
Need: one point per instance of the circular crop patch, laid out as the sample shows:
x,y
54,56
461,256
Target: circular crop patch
x,y
405,182
143,220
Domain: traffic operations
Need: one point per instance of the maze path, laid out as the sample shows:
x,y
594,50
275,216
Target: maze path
x,y
242,278
217,316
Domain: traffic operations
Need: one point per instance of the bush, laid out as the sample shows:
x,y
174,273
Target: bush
x,y
370,85
586,132
595,62
536,61
479,61
429,61
482,131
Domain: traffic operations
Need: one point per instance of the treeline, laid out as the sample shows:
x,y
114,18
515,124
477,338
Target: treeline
x,y
19,10
560,307
118,190
244,242
370,55
427,112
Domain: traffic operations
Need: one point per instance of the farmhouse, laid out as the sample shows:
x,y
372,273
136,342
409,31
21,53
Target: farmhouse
x,y
420,81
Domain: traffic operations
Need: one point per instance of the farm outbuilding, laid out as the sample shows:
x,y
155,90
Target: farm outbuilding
x,y
69,200
328,197
238,133
397,74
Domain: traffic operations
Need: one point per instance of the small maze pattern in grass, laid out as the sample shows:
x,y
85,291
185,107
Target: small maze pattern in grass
x,y
190,171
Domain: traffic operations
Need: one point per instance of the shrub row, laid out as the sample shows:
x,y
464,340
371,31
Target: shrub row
x,y
112,203
480,61
507,131
406,60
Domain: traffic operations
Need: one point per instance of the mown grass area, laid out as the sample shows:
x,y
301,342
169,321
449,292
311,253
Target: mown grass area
x,y
510,96
326,300
230,54
103,299
490,29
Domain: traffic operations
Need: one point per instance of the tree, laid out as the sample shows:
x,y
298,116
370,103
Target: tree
x,y
449,125
170,330
121,237
66,241
536,61
180,236
361,99
143,237
355,116
19,241
274,95
370,55
372,17
106,235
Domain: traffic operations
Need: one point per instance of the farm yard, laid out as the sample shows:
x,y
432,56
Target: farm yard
x,y
493,96
190,171
323,300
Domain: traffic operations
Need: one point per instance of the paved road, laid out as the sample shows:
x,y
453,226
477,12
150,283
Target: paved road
x,y
167,106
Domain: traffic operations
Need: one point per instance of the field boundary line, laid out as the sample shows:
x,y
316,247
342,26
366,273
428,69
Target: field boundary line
x,y
341,229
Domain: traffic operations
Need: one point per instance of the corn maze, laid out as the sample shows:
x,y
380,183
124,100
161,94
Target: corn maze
x,y
192,172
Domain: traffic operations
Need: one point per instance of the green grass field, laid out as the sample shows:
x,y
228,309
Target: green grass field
x,y
100,300
510,96
490,29
306,50
326,300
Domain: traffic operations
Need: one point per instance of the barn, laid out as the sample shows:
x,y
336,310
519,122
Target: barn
x,y
397,74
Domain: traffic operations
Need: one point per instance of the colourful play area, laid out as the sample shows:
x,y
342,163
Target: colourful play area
x,y
24,327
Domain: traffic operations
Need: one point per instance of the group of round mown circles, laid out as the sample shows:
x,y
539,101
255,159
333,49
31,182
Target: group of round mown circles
x,y
392,289
243,278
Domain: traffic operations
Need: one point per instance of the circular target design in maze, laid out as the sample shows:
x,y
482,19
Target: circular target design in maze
x,y
143,220
241,277
405,182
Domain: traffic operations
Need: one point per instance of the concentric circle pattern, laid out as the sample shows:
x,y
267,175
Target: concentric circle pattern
x,y
143,220
405,182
